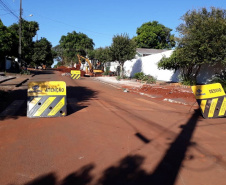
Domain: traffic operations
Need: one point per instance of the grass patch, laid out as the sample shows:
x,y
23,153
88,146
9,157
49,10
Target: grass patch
x,y
145,78
220,78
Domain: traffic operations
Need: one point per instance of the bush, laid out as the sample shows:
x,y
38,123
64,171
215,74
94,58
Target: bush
x,y
118,78
220,78
139,75
125,77
146,78
25,72
187,81
107,71
149,79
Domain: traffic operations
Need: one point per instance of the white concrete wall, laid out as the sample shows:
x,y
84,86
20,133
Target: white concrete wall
x,y
149,66
205,75
113,66
207,72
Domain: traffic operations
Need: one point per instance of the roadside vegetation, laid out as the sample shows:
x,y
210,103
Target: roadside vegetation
x,y
34,53
220,78
145,78
123,48
141,77
70,45
154,35
202,42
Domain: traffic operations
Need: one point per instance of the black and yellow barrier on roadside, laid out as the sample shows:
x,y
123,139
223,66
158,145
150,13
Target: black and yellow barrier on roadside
x,y
75,74
46,99
211,99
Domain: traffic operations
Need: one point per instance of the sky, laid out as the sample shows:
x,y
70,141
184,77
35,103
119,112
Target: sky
x,y
100,20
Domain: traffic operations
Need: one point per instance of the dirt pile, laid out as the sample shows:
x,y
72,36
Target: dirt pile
x,y
165,92
64,69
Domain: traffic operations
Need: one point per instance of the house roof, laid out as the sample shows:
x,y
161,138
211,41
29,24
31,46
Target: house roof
x,y
149,51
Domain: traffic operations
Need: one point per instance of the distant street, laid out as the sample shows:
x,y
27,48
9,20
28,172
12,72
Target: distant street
x,y
110,137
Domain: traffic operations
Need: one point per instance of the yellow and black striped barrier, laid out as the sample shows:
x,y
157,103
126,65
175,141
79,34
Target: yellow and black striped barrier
x,y
211,99
75,74
46,99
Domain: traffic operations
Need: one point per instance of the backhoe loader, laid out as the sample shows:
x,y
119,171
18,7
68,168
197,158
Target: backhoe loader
x,y
90,71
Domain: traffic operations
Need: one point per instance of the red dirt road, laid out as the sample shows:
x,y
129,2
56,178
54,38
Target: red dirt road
x,y
111,137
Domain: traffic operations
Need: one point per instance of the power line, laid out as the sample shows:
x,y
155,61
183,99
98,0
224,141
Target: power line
x,y
60,22
8,9
5,14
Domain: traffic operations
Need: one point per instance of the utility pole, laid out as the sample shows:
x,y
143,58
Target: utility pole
x,y
20,33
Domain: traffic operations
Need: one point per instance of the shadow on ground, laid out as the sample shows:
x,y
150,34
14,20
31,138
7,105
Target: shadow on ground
x,y
81,177
77,94
129,170
41,72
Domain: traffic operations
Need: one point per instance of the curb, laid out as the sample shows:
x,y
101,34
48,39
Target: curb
x,y
13,82
7,79
21,83
143,94
174,101
107,83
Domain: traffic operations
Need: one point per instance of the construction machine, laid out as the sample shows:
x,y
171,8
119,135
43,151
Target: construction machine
x,y
90,71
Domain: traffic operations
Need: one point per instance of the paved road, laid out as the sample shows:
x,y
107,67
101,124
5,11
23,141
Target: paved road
x,y
111,137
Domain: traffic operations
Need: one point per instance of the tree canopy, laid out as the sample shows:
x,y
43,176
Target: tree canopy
x,y
29,30
103,54
58,54
74,43
42,54
154,35
203,41
33,52
6,42
122,49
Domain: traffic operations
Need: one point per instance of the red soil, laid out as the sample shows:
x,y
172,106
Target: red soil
x,y
64,69
165,91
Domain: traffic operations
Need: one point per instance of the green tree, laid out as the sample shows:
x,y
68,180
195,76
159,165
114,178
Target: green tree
x,y
58,54
103,55
154,35
42,53
6,43
203,41
74,43
29,30
91,54
122,49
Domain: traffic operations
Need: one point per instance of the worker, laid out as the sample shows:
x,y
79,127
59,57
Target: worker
x,y
98,65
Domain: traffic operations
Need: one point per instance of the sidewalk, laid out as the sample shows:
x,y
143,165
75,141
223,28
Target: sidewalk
x,y
120,83
5,78
166,92
13,81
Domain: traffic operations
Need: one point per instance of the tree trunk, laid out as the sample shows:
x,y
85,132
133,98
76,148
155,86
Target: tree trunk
x,y
104,67
197,72
121,69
